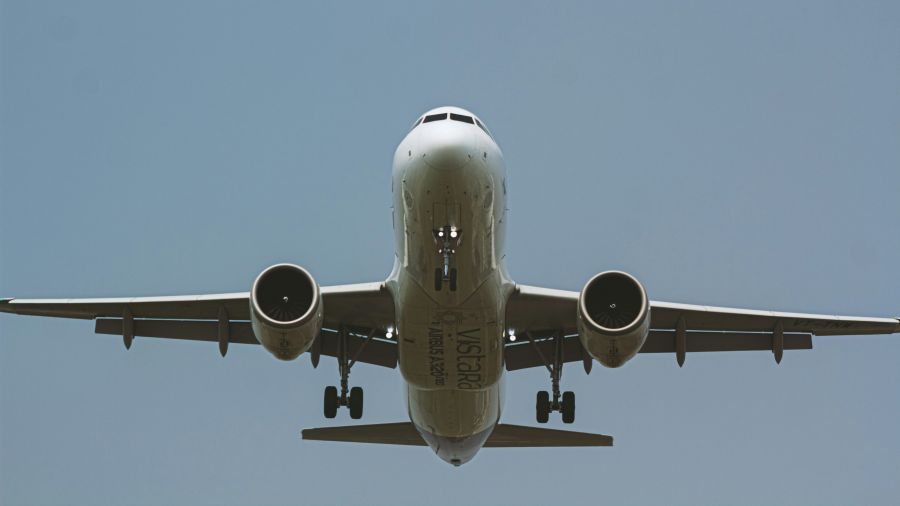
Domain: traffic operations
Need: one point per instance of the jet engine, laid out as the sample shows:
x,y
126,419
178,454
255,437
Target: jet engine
x,y
285,310
613,317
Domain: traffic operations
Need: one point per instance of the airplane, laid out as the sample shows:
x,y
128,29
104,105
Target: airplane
x,y
449,315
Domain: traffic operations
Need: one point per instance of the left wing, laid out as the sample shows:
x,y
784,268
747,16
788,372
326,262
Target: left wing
x,y
542,311
366,309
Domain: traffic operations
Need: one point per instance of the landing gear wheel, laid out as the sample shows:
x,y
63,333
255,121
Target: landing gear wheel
x,y
356,403
438,279
331,402
453,279
568,407
543,406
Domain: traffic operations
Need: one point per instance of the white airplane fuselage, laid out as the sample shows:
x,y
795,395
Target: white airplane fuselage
x,y
449,283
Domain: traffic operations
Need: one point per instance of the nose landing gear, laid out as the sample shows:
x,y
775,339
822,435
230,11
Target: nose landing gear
x,y
448,239
441,275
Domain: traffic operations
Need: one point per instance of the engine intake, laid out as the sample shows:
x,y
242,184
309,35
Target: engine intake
x,y
285,310
613,317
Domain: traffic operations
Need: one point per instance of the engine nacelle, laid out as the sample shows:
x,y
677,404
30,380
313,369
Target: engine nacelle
x,y
286,310
613,317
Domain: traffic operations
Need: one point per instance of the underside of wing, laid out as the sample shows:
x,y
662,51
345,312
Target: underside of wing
x,y
363,310
542,314
665,315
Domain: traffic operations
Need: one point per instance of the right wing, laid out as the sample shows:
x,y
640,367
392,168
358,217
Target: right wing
x,y
542,311
366,309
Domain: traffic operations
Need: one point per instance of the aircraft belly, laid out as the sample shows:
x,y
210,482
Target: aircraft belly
x,y
454,413
446,348
450,334
470,201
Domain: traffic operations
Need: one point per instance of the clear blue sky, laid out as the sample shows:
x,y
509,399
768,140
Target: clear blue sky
x,y
743,154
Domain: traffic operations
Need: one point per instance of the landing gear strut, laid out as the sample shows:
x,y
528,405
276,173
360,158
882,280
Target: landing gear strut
x,y
447,238
563,403
350,397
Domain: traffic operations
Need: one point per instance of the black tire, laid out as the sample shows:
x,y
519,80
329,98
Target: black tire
x,y
331,402
438,279
568,407
453,280
356,403
542,406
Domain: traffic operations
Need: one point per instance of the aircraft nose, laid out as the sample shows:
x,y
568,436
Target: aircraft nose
x,y
448,145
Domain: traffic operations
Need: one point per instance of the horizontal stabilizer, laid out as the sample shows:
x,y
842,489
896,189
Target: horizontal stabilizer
x,y
520,436
503,436
403,433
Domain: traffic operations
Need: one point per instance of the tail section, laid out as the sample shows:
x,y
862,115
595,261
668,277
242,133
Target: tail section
x,y
503,436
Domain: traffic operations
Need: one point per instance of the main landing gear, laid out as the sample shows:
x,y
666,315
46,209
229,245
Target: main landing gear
x,y
352,398
564,403
566,406
447,238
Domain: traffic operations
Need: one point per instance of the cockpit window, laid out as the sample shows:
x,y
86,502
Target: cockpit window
x,y
435,117
481,126
460,117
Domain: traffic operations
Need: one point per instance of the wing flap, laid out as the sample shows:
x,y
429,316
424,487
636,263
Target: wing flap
x,y
663,341
192,330
360,347
373,351
523,355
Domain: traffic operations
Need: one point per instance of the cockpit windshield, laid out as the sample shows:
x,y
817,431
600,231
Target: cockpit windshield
x,y
434,117
462,118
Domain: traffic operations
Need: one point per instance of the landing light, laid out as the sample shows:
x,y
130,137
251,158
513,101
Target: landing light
x,y
453,234
441,234
512,338
390,333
